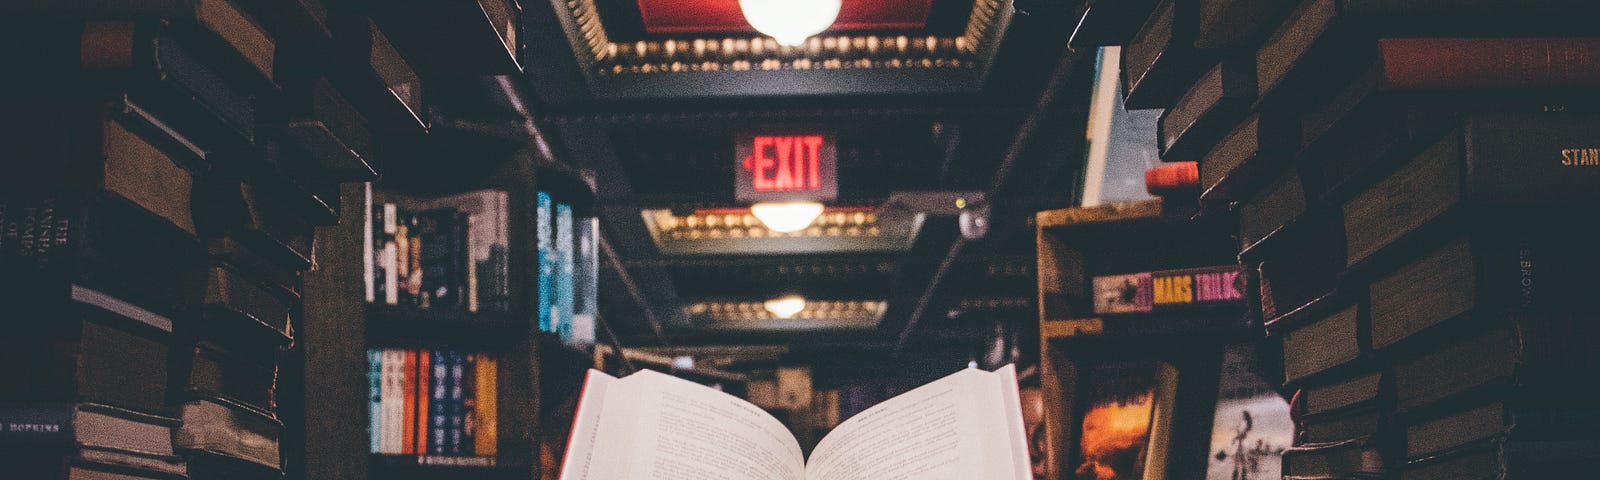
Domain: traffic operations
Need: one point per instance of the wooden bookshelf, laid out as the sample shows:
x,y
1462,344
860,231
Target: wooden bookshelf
x,y
1077,244
406,467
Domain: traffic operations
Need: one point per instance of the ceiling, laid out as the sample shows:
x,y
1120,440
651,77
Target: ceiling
x,y
923,95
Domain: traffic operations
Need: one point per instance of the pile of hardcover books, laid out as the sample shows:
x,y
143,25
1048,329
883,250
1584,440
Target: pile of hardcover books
x,y
1408,178
162,181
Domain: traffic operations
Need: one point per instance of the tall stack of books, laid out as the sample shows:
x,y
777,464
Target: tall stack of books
x,y
1405,173
157,205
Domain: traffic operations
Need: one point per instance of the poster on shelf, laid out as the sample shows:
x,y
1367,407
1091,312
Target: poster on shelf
x,y
1251,428
1114,443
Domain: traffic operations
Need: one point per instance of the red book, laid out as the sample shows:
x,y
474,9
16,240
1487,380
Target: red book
x,y
408,442
420,409
1172,177
1483,63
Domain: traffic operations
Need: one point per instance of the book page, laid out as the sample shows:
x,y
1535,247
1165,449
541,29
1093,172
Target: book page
x,y
956,428
585,426
658,427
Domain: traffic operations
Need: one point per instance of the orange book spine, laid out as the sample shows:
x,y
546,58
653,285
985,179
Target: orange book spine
x,y
421,408
486,440
408,443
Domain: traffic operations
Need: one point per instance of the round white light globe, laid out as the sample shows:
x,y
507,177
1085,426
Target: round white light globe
x,y
790,22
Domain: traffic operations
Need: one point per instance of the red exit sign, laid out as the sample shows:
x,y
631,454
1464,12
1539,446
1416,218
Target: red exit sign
x,y
787,165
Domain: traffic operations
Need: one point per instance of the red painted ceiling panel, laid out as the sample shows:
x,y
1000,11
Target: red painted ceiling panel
x,y
723,16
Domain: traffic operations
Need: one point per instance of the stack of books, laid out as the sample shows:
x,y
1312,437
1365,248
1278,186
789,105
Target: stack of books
x,y
160,195
1404,174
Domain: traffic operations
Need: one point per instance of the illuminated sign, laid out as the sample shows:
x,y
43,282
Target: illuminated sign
x,y
788,165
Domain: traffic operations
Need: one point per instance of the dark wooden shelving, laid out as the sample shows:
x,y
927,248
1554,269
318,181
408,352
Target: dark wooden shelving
x,y
399,326
411,467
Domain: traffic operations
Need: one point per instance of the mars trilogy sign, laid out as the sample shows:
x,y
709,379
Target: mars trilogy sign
x,y
786,165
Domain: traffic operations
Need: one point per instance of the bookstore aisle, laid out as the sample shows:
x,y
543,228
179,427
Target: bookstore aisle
x,y
675,239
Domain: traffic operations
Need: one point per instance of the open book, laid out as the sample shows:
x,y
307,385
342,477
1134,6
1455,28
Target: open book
x,y
649,425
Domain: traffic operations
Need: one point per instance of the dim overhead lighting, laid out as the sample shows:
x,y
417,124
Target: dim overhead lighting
x,y
786,217
790,22
785,307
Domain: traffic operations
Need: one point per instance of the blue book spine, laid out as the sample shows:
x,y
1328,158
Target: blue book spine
x,y
562,322
438,411
458,407
375,408
546,253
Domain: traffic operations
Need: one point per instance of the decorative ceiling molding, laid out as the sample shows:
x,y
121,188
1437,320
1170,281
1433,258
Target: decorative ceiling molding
x,y
835,313
737,232
602,59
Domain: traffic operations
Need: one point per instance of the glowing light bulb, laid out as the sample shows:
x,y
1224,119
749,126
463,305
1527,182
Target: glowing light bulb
x,y
790,22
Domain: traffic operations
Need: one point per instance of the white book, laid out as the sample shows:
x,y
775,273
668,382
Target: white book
x,y
393,400
651,425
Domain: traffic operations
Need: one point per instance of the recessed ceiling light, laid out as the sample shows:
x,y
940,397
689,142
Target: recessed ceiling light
x,y
785,307
786,217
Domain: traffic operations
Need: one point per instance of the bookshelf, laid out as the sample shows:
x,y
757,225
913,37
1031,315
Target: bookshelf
x,y
1383,250
535,372
1171,349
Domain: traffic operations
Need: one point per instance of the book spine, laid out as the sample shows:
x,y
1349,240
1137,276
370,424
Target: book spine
x,y
1533,159
408,429
376,395
242,34
433,260
395,363
1484,63
561,317
461,261
501,253
414,263
587,281
438,405
469,404
424,412
457,403
546,253
193,80
38,425
390,259
487,434
474,285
